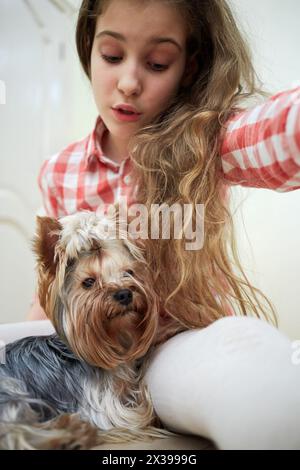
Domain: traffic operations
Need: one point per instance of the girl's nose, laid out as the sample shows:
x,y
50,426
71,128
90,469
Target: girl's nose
x,y
129,83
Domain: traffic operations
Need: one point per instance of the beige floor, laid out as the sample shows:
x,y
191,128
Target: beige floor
x,y
177,443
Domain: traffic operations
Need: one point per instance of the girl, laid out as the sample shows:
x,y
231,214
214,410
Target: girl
x,y
169,79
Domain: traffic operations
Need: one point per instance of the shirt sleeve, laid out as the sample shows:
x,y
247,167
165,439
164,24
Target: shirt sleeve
x,y
47,188
260,147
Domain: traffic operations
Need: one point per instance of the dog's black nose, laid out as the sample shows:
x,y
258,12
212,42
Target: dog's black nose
x,y
124,296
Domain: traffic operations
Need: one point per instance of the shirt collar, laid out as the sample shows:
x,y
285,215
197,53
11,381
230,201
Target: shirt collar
x,y
94,150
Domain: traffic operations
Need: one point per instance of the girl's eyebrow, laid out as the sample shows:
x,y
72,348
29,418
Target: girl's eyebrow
x,y
153,40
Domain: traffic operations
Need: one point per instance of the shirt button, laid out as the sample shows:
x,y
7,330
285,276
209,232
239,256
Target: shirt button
x,y
127,180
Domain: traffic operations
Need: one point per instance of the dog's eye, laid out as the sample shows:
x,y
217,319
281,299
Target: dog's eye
x,y
89,282
129,272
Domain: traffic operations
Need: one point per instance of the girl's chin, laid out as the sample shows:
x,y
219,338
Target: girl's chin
x,y
124,130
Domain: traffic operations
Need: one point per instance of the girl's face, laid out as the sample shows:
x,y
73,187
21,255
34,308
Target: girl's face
x,y
138,58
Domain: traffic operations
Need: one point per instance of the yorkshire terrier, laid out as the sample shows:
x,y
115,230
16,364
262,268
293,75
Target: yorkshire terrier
x,y
84,385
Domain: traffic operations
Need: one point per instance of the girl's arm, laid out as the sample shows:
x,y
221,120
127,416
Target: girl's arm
x,y
261,146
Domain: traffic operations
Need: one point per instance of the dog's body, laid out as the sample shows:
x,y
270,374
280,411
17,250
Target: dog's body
x,y
42,381
59,391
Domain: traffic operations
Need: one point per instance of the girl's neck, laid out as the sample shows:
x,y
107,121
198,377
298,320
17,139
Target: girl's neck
x,y
115,150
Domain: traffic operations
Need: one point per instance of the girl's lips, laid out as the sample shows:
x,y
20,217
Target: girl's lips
x,y
121,116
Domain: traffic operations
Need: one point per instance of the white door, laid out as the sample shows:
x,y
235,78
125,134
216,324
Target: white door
x,y
36,56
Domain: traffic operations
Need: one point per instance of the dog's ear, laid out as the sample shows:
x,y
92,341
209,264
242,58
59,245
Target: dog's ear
x,y
43,244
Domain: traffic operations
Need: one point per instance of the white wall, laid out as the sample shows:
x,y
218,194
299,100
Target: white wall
x,y
49,104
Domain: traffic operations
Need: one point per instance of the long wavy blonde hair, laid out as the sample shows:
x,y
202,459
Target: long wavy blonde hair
x,y
176,159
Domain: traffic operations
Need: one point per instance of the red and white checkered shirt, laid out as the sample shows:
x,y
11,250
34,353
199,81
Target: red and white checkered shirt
x,y
259,148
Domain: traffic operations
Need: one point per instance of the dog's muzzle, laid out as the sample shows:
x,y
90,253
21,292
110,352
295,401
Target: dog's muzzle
x,y
123,296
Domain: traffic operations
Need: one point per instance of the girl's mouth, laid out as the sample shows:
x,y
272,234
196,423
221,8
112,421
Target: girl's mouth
x,y
127,116
125,112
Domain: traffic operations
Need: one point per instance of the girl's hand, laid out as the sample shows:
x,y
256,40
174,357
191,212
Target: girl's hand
x,y
36,312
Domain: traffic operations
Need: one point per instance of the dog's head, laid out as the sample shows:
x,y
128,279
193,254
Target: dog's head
x,y
95,288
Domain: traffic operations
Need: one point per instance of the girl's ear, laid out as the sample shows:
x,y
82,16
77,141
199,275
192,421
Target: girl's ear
x,y
47,235
190,71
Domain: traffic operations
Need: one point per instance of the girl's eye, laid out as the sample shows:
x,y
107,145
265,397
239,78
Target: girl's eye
x,y
88,283
160,67
115,60
111,59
